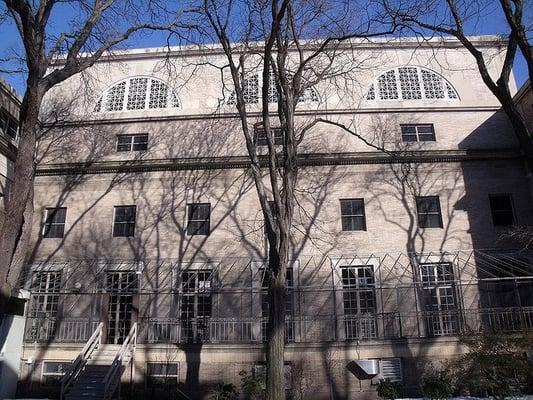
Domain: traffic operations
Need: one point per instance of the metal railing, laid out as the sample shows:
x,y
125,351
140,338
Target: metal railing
x,y
112,379
69,330
79,363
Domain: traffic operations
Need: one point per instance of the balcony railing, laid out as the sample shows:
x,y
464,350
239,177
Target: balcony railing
x,y
305,329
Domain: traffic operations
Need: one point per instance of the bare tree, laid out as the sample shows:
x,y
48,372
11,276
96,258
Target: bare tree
x,y
96,28
454,18
295,45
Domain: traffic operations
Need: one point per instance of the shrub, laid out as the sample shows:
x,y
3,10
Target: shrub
x,y
252,386
225,391
388,390
436,386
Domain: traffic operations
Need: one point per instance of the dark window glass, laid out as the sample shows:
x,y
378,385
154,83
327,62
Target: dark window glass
x,y
53,372
353,215
418,133
161,375
132,142
198,222
8,124
428,210
54,223
124,224
501,208
260,136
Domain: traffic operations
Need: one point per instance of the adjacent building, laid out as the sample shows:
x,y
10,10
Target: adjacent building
x,y
147,225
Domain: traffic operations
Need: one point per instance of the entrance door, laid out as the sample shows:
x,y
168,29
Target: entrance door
x,y
122,304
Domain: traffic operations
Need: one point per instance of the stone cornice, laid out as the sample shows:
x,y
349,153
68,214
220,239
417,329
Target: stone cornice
x,y
124,119
242,162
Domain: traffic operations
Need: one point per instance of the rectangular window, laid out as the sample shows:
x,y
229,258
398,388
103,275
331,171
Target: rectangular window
x,y
439,298
198,218
428,211
501,208
45,294
124,222
260,136
53,372
353,215
359,301
161,375
418,133
196,304
137,142
8,124
54,222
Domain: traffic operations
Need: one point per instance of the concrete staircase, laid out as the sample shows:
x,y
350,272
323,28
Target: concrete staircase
x,y
89,383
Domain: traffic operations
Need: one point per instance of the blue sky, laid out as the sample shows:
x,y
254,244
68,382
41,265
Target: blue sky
x,y
490,23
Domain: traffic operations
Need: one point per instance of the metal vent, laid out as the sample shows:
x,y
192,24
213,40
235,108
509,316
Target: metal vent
x,y
389,368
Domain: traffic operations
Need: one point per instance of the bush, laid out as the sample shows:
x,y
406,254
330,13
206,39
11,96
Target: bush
x,y
436,386
252,386
388,390
225,391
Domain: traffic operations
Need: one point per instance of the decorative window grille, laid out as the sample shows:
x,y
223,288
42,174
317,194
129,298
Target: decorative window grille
x,y
418,133
359,301
161,375
158,95
353,215
54,222
411,83
198,218
388,88
429,212
115,97
137,142
251,94
501,208
439,298
138,93
124,221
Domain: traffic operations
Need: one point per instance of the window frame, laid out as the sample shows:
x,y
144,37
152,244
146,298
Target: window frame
x,y
47,225
126,222
363,215
417,133
7,123
512,209
419,214
189,230
166,376
131,143
262,140
54,374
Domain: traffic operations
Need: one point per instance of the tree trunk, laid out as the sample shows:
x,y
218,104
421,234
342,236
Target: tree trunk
x,y
14,232
275,354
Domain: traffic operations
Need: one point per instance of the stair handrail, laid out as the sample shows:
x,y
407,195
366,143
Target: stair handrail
x,y
81,360
111,379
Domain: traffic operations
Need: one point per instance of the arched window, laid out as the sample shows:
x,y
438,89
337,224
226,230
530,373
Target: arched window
x,y
251,91
137,93
411,83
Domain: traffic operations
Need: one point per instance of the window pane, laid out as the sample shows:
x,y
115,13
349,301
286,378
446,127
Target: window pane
x,y
140,142
124,223
54,225
124,142
353,215
501,209
198,219
428,210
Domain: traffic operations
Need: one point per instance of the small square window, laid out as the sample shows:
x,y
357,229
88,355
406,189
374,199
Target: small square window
x,y
132,142
428,211
54,222
53,372
198,218
124,221
260,137
353,215
501,208
418,133
161,375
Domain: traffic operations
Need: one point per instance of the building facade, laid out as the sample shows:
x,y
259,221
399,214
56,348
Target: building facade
x,y
147,224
